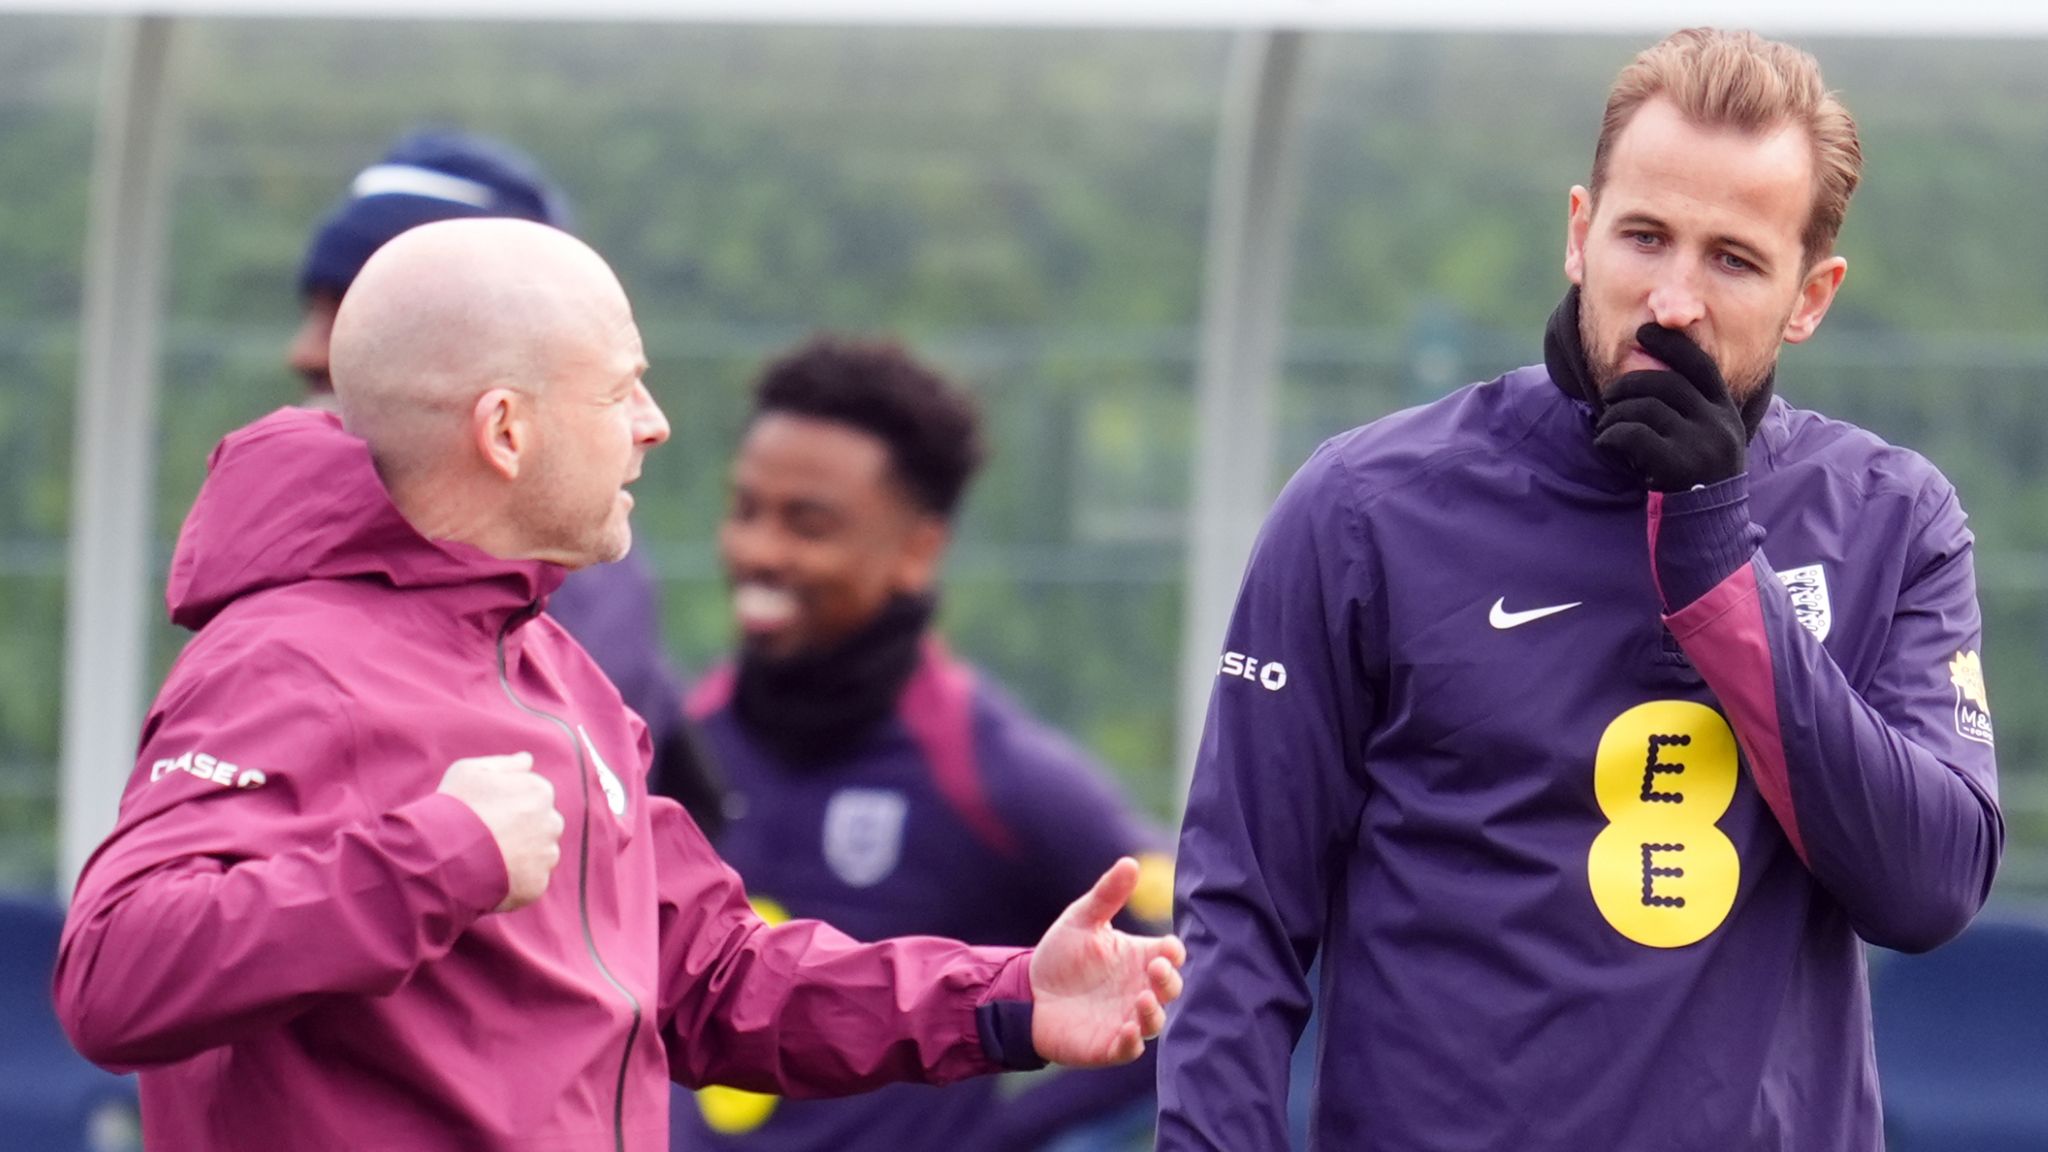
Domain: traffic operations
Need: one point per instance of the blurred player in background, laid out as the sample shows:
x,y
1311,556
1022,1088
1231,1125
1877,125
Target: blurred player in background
x,y
879,783
1588,722
612,609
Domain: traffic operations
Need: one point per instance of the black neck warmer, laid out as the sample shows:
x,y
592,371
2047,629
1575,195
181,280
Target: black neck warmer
x,y
818,707
1565,357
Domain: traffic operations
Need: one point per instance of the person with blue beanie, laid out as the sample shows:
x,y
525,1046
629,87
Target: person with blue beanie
x,y
428,175
612,609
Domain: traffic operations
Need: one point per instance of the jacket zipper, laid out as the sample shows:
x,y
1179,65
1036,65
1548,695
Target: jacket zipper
x,y
582,873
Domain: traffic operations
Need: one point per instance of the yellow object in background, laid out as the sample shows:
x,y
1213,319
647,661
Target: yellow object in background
x,y
1152,901
736,1111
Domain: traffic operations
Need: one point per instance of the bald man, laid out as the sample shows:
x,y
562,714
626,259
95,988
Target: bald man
x,y
387,874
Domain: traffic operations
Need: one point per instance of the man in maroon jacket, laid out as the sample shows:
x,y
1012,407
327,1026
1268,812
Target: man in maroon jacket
x,y
613,610
376,883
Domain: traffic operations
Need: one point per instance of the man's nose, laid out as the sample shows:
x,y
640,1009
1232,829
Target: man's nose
x,y
1675,300
650,426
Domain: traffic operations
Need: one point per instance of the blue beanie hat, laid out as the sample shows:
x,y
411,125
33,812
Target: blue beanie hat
x,y
427,176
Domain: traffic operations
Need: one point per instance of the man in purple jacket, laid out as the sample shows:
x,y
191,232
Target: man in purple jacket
x,y
1588,721
613,610
387,874
880,784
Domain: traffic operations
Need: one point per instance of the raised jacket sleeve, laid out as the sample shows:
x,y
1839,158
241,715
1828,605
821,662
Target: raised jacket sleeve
x,y
801,1009
1887,792
1277,791
245,880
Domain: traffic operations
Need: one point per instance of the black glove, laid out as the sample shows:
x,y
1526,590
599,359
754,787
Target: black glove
x,y
1679,429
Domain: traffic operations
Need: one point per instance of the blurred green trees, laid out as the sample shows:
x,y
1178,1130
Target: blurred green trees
x,y
1028,209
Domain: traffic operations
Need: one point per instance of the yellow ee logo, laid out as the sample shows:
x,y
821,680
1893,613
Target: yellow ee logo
x,y
736,1111
1662,872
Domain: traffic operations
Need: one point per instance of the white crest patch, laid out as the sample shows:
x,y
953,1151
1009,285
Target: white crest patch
x,y
864,834
1808,587
614,790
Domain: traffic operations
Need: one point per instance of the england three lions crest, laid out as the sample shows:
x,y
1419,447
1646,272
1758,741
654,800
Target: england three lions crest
x,y
1808,588
864,834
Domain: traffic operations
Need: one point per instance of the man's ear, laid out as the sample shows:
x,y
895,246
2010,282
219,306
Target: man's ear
x,y
1816,293
917,570
501,427
1578,223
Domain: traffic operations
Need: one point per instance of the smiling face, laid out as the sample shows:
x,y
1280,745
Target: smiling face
x,y
820,534
1699,230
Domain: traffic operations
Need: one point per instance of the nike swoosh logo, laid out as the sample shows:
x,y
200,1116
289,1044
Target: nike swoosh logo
x,y
1503,619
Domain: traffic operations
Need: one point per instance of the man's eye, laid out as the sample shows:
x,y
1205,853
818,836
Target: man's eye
x,y
811,525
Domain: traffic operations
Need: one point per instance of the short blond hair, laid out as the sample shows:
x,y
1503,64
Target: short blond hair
x,y
1739,80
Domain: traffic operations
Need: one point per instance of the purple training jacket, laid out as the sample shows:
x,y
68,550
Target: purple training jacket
x,y
1585,869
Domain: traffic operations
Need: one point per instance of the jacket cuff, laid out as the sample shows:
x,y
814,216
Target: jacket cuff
x,y
472,869
1700,538
1004,1018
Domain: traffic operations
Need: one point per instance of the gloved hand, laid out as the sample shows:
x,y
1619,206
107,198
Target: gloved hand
x,y
1679,429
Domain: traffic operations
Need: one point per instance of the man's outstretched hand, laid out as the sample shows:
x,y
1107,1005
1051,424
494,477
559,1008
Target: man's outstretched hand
x,y
1098,994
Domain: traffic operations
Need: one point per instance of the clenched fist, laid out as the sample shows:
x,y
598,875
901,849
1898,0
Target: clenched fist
x,y
518,805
